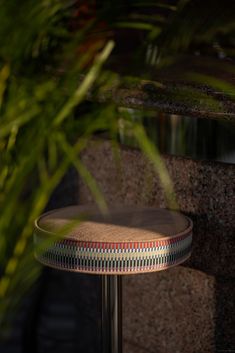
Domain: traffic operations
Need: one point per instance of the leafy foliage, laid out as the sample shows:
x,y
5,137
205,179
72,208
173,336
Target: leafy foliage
x,y
52,53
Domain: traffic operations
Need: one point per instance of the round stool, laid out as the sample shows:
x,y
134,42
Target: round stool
x,y
128,240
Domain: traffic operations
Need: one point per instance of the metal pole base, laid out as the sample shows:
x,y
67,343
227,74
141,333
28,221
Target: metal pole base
x,y
111,314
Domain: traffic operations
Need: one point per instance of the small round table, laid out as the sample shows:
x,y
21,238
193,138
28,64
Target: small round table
x,y
128,240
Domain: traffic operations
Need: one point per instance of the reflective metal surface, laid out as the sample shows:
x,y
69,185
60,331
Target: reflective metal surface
x,y
111,314
203,139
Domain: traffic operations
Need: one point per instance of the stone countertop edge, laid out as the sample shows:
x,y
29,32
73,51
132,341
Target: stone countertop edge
x,y
182,98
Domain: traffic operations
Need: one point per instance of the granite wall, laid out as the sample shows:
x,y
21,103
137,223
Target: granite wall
x,y
189,308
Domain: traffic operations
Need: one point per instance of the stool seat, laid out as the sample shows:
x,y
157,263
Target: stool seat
x,y
128,240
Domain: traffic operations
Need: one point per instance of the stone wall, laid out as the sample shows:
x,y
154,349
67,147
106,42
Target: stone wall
x,y
189,308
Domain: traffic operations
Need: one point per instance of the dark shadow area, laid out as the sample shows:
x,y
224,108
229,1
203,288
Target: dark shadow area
x,y
213,253
65,314
225,314
62,312
213,246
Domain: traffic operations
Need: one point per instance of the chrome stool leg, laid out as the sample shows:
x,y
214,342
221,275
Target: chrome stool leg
x,y
111,314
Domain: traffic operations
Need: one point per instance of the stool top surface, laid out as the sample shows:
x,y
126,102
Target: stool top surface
x,y
128,240
121,224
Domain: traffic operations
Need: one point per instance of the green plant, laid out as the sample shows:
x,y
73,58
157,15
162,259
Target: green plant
x,y
47,69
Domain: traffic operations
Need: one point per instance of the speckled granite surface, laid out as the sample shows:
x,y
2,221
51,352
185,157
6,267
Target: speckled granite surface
x,y
169,311
204,191
190,308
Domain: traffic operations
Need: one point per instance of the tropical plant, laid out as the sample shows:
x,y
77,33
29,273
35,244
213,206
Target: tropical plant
x,y
54,55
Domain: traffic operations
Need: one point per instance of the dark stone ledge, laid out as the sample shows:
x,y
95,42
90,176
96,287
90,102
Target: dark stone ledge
x,y
191,86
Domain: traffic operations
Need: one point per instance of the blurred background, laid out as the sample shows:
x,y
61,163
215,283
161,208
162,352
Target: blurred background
x,y
128,101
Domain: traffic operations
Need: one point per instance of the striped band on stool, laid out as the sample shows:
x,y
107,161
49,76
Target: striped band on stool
x,y
139,240
115,258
